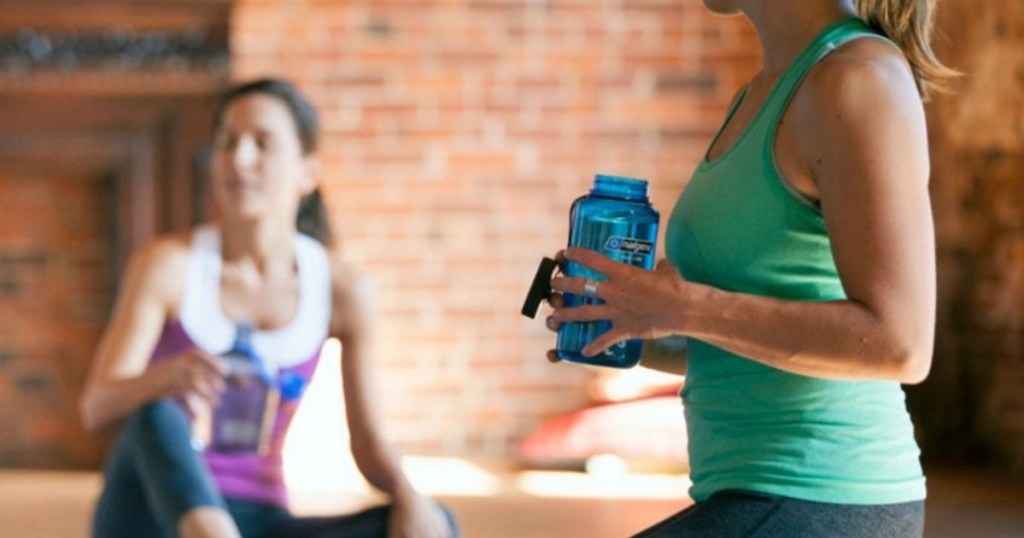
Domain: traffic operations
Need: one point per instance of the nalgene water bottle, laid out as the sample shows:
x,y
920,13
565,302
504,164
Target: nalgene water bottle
x,y
243,418
615,219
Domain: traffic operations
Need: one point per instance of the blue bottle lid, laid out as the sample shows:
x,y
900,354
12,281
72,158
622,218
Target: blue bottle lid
x,y
291,385
243,346
243,338
626,188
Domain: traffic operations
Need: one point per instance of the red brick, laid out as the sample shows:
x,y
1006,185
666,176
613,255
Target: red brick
x,y
456,136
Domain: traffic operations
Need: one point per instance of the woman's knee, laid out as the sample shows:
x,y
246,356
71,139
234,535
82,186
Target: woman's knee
x,y
207,521
155,419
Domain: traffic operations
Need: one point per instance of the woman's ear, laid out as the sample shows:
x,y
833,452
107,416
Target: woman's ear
x,y
310,175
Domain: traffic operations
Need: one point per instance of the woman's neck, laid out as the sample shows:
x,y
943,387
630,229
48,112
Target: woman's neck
x,y
265,245
785,27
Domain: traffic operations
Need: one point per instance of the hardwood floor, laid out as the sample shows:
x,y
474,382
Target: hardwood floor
x,y
962,504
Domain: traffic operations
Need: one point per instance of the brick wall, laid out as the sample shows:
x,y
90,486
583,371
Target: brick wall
x,y
973,403
456,136
56,263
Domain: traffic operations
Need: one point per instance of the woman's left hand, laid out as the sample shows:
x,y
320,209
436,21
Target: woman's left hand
x,y
415,516
639,303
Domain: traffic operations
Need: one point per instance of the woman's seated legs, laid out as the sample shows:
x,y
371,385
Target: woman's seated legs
x,y
258,520
154,477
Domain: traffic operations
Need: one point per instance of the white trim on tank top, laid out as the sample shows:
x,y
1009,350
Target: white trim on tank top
x,y
204,320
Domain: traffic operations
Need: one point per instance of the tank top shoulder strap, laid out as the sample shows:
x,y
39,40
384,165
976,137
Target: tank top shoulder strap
x,y
200,313
315,275
827,41
203,272
288,346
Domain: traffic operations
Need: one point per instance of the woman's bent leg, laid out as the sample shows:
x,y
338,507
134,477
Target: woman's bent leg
x,y
156,458
122,510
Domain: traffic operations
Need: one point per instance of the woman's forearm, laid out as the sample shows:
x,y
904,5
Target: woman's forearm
x,y
109,401
835,340
380,464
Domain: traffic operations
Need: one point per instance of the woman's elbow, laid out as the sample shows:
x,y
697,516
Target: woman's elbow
x,y
917,372
913,363
88,415
85,416
365,452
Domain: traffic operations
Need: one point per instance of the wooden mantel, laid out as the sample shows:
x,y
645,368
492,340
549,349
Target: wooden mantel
x,y
115,95
96,47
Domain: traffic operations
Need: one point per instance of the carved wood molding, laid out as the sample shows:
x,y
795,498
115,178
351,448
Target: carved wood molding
x,y
105,47
141,83
117,49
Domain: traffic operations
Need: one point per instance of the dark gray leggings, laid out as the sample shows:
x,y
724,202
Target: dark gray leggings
x,y
743,514
153,477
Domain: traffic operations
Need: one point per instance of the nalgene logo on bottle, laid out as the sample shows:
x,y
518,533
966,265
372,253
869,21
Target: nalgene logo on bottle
x,y
617,243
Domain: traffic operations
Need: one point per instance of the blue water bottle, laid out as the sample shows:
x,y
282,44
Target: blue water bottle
x,y
244,416
617,220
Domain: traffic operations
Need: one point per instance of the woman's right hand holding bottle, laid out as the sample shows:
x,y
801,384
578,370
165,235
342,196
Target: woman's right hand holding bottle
x,y
194,376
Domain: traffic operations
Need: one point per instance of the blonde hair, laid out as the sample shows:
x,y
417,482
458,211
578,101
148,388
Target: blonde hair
x,y
909,23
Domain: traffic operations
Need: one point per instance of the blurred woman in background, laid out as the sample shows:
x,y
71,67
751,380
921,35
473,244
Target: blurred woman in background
x,y
157,362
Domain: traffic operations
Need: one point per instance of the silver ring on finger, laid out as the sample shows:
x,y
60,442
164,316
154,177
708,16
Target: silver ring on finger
x,y
590,288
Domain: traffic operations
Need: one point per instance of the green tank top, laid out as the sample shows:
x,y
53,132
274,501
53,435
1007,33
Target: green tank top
x,y
739,227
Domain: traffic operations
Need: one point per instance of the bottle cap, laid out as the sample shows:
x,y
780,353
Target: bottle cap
x,y
243,337
243,345
627,188
541,287
291,385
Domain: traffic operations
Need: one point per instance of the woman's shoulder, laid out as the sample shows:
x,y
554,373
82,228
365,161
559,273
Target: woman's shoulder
x,y
156,270
353,296
865,83
166,251
345,275
349,283
860,72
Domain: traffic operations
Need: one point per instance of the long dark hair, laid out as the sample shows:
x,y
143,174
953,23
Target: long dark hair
x,y
311,218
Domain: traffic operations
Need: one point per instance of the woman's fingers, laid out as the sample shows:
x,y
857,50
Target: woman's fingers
x,y
582,313
214,380
603,342
195,405
595,261
665,264
213,364
205,385
586,313
575,285
208,374
193,375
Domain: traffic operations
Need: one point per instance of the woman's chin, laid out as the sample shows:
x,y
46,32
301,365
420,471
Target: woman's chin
x,y
241,205
722,7
243,213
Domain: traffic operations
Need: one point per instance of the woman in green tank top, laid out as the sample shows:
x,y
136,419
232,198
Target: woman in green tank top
x,y
801,271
